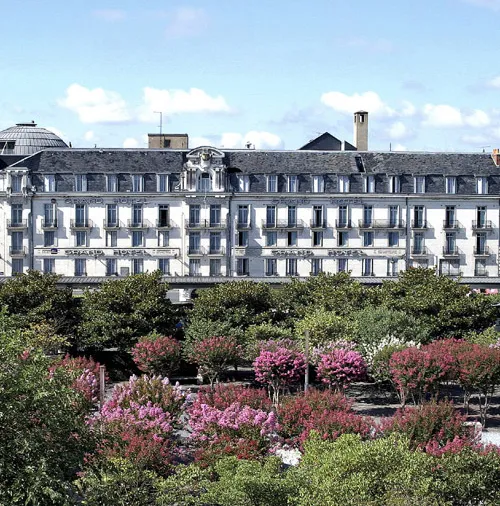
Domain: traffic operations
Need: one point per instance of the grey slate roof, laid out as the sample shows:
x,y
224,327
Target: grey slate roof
x,y
29,138
262,162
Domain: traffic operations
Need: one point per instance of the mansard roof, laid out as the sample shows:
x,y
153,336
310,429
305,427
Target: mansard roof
x,y
250,161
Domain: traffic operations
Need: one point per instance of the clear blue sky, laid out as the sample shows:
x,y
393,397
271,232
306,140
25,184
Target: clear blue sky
x,y
274,72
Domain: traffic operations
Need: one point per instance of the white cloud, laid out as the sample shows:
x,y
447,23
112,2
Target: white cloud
x,y
258,140
489,4
478,140
448,116
493,83
399,147
110,14
194,142
348,104
179,101
477,119
59,133
408,109
398,130
88,136
187,22
130,143
95,105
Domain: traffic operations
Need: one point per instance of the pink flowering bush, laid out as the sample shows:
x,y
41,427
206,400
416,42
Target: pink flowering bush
x,y
222,396
214,356
157,355
279,369
338,368
416,372
242,431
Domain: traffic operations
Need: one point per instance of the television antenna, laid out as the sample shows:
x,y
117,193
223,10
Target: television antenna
x,y
161,120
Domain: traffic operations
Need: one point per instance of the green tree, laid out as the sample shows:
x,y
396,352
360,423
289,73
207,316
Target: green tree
x,y
123,310
42,424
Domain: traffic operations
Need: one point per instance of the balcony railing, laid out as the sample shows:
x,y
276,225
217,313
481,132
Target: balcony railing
x,y
457,274
243,225
480,273
482,225
164,224
421,251
17,224
217,251
318,224
482,251
283,225
49,224
271,273
205,224
420,224
81,224
391,274
138,225
199,251
451,252
381,224
111,225
15,251
451,225
343,224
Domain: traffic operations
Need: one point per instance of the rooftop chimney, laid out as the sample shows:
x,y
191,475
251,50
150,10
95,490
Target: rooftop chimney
x,y
496,156
361,130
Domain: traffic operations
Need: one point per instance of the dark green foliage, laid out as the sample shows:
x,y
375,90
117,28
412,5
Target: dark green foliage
x,y
123,310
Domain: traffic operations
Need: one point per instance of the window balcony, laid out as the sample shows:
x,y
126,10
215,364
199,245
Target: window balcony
x,y
283,225
138,225
482,225
164,224
49,224
451,252
451,225
481,273
199,251
111,225
17,224
243,225
205,225
382,224
419,224
17,252
343,224
271,273
420,252
483,251
217,251
392,274
318,224
81,224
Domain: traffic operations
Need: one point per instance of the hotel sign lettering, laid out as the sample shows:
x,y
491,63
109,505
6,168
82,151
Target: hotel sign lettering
x,y
100,200
126,252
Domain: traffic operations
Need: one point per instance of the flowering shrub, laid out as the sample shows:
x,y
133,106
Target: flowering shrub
x,y
214,355
479,371
327,412
340,367
432,425
371,350
441,349
318,351
85,372
235,430
155,354
148,390
379,368
416,372
279,369
222,396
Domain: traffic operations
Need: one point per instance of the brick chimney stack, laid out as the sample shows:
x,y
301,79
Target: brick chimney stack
x,y
496,156
361,130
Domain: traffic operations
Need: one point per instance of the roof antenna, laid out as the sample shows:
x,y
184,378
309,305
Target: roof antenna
x,y
390,146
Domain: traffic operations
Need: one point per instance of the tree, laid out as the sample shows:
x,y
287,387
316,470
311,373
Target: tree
x,y
123,310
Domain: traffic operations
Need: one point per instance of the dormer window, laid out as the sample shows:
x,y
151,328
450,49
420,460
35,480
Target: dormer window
x,y
318,184
243,183
482,185
293,184
394,184
343,184
272,183
49,183
81,183
451,185
419,184
370,184
204,182
162,183
137,183
16,183
111,183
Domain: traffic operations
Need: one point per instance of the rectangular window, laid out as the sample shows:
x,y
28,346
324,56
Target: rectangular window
x,y
17,239
80,267
450,267
111,215
392,267
292,216
272,183
367,267
80,238
316,266
270,216
317,238
481,243
451,243
419,183
164,266
271,238
137,238
49,238
162,183
137,266
215,243
194,243
137,183
342,265
367,216
394,184
80,215
481,217
49,265
242,267
451,184
450,217
163,238
419,217
243,216
194,214
16,214
393,216
243,238
194,267
343,184
292,238
111,239
293,184
16,183
318,184
393,239
163,215
17,266
367,239
49,215
215,215
418,243
137,215
111,267
317,220
480,267
343,220
271,267
342,239
49,183
243,183
215,267
291,266
81,183
370,184
112,183
482,186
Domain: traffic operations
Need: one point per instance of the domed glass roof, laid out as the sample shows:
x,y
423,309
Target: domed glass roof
x,y
27,138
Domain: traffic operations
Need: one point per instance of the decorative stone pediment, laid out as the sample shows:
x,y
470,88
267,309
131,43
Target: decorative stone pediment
x,y
204,170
